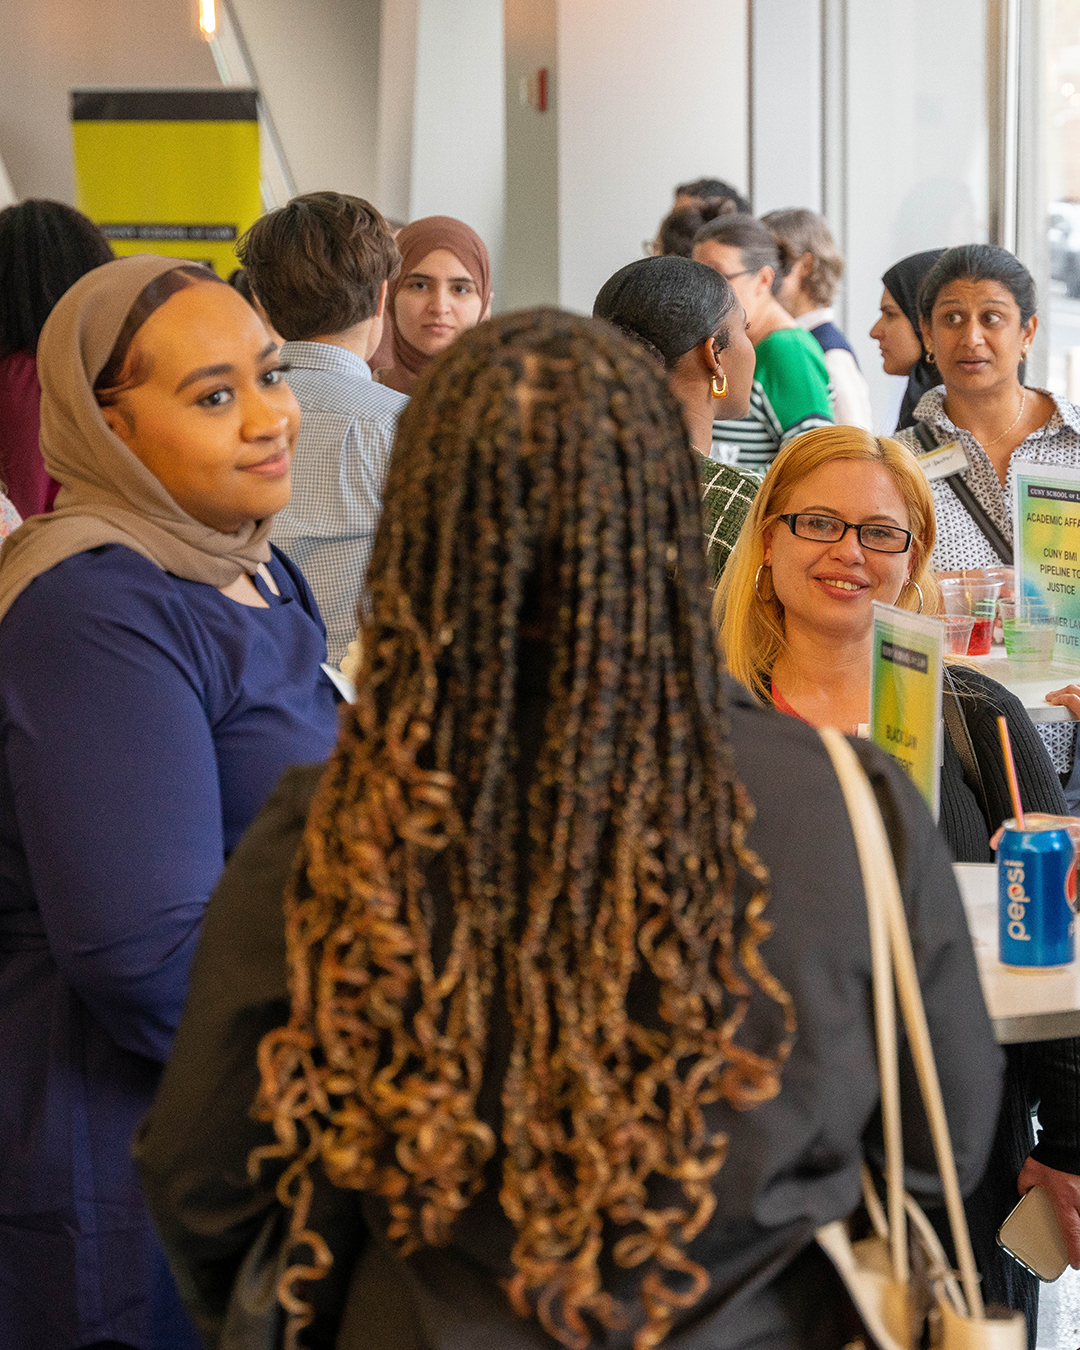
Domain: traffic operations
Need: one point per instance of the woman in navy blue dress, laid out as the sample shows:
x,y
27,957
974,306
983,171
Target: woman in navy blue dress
x,y
159,670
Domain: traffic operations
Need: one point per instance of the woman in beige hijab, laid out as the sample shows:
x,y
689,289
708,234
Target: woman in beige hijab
x,y
159,669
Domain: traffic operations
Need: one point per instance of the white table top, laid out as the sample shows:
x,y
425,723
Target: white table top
x,y
1022,1006
1030,689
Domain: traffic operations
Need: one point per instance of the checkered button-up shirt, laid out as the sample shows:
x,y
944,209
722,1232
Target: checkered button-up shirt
x,y
343,450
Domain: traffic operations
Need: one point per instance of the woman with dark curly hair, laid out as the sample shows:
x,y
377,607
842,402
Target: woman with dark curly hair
x,y
525,1084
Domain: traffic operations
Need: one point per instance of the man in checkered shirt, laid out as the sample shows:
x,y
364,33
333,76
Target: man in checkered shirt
x,y
320,267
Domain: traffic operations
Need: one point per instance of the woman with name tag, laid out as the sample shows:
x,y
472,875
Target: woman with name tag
x,y
845,518
159,670
978,321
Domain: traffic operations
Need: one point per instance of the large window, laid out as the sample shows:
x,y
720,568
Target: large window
x,y
1060,153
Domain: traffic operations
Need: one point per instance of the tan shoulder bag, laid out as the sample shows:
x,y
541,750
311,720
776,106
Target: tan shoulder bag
x,y
876,1269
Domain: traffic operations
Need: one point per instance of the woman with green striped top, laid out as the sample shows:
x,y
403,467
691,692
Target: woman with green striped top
x,y
791,382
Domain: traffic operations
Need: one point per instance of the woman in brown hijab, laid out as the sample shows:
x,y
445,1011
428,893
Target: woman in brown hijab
x,y
159,670
443,288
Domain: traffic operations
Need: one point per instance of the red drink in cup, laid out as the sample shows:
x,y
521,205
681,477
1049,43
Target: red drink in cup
x,y
978,597
982,634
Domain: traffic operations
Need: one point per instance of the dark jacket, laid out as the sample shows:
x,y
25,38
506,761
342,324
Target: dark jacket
x,y
962,820
792,1165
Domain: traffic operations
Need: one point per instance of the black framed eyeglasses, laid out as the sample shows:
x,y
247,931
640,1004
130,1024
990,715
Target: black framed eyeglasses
x,y
831,529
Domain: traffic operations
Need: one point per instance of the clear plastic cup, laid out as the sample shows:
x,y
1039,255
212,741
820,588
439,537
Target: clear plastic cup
x,y
957,633
1007,577
1030,628
977,597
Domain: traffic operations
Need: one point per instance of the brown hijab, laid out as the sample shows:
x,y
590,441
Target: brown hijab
x,y
415,242
107,495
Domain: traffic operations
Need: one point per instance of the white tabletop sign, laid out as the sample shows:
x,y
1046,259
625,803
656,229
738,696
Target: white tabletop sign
x,y
1046,546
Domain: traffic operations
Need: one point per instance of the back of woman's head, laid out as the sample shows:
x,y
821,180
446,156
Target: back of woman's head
x,y
540,532
45,247
978,262
681,227
670,305
803,231
746,612
714,190
756,243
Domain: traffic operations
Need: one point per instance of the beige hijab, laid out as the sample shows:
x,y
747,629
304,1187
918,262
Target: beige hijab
x,y
107,496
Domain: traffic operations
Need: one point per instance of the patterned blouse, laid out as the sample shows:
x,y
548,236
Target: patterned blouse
x,y
727,494
960,542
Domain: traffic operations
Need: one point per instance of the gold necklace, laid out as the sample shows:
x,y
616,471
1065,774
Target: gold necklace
x,y
1023,401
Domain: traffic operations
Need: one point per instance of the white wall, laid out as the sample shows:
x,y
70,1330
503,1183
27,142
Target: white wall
x,y
47,47
317,65
648,93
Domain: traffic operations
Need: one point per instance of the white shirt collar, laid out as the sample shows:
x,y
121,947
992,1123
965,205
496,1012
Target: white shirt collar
x,y
813,317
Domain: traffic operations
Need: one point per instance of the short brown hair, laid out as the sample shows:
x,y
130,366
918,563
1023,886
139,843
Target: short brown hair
x,y
318,264
804,231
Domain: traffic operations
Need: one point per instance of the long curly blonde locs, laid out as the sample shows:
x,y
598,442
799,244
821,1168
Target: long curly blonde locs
x,y
542,497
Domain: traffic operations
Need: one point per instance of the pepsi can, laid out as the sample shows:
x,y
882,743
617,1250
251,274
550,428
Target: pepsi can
x,y
1036,894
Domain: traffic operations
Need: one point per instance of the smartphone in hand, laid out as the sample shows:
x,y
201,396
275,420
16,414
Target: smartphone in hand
x,y
1031,1236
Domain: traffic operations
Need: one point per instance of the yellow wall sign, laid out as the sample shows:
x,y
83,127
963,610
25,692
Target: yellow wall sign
x,y
905,694
172,171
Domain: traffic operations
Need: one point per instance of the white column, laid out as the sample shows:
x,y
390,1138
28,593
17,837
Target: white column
x,y
397,78
531,250
648,93
916,130
441,137
459,139
786,105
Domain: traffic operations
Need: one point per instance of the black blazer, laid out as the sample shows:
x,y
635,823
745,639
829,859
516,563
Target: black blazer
x,y
793,1163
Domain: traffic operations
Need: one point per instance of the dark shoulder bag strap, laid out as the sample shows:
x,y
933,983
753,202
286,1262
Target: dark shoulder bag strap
x,y
968,501
956,725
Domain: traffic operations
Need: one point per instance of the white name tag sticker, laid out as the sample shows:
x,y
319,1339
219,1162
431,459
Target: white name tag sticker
x,y
944,461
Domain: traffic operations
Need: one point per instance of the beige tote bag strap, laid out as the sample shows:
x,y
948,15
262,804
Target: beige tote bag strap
x,y
883,899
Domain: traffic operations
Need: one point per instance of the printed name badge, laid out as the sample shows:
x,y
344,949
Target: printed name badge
x,y
905,694
944,461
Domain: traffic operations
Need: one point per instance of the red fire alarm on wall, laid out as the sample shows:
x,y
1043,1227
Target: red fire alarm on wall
x,y
533,90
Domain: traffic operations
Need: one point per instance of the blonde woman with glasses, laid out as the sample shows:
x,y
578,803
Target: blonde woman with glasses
x,y
845,518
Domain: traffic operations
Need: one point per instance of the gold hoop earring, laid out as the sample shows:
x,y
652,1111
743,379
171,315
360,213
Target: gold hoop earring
x,y
930,358
719,390
757,582
918,589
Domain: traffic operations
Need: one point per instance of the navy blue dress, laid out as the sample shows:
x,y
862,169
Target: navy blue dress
x,y
144,720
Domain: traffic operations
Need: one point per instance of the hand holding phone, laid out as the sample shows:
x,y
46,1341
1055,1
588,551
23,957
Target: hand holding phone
x,y
1031,1235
